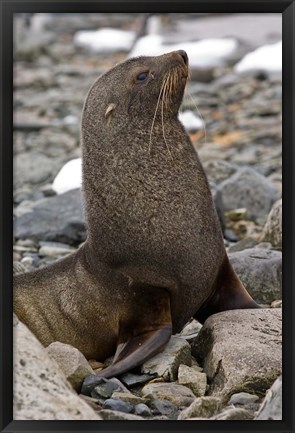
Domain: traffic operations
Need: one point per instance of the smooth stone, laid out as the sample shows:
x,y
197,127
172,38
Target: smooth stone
x,y
241,350
71,361
118,405
243,398
166,363
41,391
260,270
142,409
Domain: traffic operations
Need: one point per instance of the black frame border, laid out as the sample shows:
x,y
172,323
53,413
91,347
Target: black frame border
x,y
7,9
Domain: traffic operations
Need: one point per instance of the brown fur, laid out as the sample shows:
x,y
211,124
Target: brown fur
x,y
152,226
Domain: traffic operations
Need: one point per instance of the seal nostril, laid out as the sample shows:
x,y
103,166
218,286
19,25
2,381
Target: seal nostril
x,y
183,54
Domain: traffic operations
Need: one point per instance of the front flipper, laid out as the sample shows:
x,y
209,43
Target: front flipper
x,y
143,335
228,294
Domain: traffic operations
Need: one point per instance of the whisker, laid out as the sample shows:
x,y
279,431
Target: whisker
x,y
154,118
163,129
200,114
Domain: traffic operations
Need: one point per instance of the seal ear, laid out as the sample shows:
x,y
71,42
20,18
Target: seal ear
x,y
109,112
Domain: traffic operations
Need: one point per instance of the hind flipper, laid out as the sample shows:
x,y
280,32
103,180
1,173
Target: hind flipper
x,y
228,294
142,338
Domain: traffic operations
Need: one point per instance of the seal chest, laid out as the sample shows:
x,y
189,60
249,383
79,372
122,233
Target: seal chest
x,y
154,255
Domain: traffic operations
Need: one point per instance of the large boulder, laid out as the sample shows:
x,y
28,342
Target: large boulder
x,y
260,270
241,350
249,189
59,219
41,391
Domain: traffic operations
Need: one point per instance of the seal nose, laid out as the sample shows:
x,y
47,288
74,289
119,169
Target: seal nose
x,y
183,54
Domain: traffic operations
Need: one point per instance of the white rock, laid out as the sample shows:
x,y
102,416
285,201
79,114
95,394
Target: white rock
x,y
267,58
105,40
69,177
41,392
190,121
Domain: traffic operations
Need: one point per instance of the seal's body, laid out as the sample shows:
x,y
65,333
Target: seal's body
x,y
154,255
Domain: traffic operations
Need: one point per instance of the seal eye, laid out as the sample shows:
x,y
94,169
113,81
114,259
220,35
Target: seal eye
x,y
142,76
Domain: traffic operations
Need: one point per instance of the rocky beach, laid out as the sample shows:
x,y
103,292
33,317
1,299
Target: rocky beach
x,y
231,367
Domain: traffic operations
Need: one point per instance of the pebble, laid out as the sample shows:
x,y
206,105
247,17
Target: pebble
x,y
243,398
105,386
142,409
104,390
118,405
165,407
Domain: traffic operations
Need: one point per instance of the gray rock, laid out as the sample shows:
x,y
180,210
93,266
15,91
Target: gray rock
x,y
118,405
271,407
107,386
107,414
241,350
272,231
243,398
218,171
243,244
234,414
41,391
178,395
59,218
192,379
34,168
166,363
202,407
165,407
260,270
104,389
142,409
71,361
249,189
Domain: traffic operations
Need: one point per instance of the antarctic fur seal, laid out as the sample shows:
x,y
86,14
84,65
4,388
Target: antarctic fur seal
x,y
154,256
